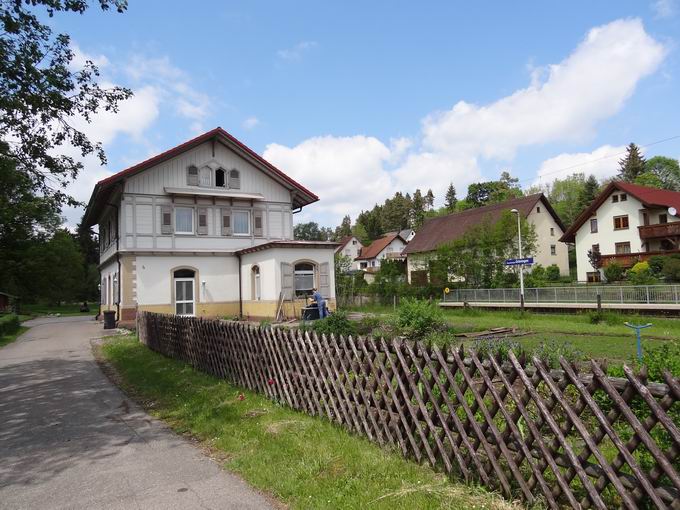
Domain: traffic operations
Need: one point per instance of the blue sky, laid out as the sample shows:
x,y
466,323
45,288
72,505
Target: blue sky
x,y
359,99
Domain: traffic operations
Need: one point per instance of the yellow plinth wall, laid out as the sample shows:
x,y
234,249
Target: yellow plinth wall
x,y
227,309
267,309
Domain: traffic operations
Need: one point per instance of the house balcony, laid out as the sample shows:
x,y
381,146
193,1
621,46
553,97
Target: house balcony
x,y
628,260
660,231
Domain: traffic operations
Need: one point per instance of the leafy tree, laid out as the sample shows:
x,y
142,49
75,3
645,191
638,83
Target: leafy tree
x,y
417,215
671,269
641,274
429,199
41,93
595,259
632,165
478,257
370,222
552,273
565,195
309,231
661,172
649,179
360,233
344,229
484,193
591,189
450,199
396,212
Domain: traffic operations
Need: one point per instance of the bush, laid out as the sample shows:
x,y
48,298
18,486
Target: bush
x,y
336,324
500,347
641,274
662,356
550,352
9,324
609,318
656,263
614,272
367,325
416,319
671,269
552,273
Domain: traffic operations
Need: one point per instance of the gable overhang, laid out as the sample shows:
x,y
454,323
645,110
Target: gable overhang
x,y
300,196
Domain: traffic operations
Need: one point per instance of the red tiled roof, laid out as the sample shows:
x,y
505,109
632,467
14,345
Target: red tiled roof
x,y
650,197
444,229
374,249
104,186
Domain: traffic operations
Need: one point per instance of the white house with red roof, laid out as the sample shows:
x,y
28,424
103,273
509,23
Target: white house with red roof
x,y
626,224
206,229
350,247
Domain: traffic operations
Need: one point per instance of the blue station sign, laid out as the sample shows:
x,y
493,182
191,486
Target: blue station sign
x,y
520,262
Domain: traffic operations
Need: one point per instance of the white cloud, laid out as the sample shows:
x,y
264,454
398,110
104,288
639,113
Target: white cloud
x,y
297,51
665,8
251,123
563,102
80,58
602,163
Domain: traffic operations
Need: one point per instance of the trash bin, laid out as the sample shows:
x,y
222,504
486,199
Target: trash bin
x,y
310,313
109,319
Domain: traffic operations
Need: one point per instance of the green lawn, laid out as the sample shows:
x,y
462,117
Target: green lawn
x,y
305,462
608,339
8,339
64,310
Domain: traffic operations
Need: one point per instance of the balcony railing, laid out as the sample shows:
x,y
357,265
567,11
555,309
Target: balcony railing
x,y
630,259
660,230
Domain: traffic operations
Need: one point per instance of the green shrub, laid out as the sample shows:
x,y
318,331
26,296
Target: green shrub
x,y
416,318
671,269
336,324
367,325
641,274
551,351
9,324
614,272
486,347
656,263
609,318
552,273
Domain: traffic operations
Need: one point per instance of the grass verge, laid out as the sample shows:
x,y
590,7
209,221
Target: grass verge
x,y
65,310
8,339
305,462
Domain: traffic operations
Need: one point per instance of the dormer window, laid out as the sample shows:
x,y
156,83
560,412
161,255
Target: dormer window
x,y
220,178
192,176
234,179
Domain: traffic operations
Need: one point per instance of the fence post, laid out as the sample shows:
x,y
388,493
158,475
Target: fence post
x,y
503,295
647,292
675,294
536,294
555,289
621,294
489,295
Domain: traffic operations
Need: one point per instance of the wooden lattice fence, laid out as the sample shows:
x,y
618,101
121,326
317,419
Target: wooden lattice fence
x,y
560,438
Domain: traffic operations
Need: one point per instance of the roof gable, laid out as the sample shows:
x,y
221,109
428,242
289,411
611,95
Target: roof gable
x,y
103,190
649,197
374,249
444,229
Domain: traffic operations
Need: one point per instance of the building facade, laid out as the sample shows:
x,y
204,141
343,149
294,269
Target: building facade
x,y
206,229
444,229
626,223
350,247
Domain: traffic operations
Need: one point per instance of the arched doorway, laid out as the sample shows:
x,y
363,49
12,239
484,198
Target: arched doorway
x,y
185,291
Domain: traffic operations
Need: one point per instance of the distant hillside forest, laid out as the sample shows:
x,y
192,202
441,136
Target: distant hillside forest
x,y
569,196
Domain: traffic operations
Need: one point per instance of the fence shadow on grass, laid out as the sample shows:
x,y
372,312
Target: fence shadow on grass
x,y
551,437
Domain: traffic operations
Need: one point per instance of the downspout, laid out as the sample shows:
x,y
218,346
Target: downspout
x,y
117,253
240,297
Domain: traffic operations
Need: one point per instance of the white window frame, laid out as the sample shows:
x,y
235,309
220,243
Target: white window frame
x,y
185,301
183,232
234,213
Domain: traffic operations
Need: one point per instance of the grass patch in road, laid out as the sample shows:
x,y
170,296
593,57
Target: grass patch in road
x,y
304,461
11,337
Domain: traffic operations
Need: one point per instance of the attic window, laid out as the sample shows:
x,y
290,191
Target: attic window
x,y
615,198
538,209
623,197
220,178
192,176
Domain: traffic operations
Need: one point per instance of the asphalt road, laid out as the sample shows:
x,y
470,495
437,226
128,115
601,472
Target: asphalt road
x,y
70,439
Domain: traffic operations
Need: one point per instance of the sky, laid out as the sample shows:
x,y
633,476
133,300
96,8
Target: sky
x,y
357,100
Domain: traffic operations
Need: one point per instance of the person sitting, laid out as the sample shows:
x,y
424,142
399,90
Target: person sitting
x,y
320,303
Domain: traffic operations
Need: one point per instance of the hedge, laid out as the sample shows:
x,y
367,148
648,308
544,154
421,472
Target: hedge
x,y
9,324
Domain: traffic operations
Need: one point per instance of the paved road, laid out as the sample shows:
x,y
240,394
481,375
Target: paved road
x,y
70,439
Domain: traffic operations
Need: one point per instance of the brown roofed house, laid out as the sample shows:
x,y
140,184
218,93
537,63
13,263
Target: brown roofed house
x,y
444,229
389,246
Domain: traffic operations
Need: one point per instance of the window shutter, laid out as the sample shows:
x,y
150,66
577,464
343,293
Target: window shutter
x,y
257,223
202,227
226,222
234,179
192,176
287,280
166,219
324,280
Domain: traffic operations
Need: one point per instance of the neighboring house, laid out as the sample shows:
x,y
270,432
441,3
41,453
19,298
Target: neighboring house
x,y
407,234
206,229
350,247
7,302
626,223
445,229
388,246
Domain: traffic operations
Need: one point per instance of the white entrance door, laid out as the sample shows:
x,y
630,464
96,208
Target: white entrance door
x,y
184,296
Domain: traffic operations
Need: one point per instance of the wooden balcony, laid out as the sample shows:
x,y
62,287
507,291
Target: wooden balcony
x,y
661,230
630,259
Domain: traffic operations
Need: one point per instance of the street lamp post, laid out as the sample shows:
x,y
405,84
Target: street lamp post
x,y
521,266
